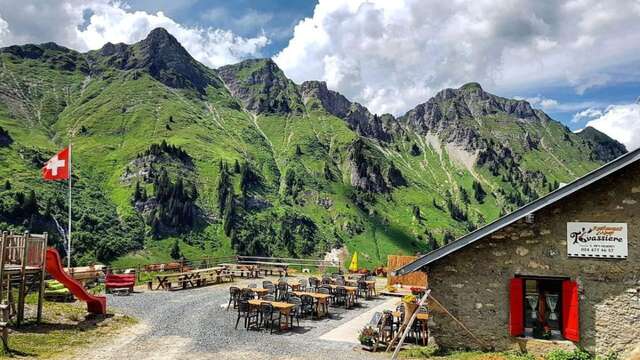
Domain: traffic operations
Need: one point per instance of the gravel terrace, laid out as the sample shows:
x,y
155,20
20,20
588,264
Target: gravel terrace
x,y
193,324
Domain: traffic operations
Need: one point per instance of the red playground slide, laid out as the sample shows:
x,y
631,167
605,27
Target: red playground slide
x,y
95,304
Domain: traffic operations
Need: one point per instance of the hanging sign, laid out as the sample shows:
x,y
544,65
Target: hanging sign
x,y
597,240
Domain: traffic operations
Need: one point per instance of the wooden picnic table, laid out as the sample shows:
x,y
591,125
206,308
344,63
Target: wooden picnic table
x,y
192,278
251,269
283,307
320,298
283,266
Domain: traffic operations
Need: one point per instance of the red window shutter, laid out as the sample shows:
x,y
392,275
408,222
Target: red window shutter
x,y
570,311
516,309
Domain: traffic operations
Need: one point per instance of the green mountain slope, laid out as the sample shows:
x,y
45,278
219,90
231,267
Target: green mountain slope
x,y
242,160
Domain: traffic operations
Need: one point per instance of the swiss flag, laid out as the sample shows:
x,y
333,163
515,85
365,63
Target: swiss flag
x,y
57,168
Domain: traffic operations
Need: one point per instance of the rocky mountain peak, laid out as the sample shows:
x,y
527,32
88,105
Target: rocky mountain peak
x,y
262,87
163,57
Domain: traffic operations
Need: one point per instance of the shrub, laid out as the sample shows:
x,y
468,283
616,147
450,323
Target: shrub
x,y
577,354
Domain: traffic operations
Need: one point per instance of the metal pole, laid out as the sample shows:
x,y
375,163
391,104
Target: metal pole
x,y
69,232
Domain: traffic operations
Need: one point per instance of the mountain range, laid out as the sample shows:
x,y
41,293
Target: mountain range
x,y
172,158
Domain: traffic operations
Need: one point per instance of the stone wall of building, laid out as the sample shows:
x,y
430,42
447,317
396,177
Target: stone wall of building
x,y
473,282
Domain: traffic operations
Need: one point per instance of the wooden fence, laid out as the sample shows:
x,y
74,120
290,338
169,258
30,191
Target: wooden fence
x,y
416,278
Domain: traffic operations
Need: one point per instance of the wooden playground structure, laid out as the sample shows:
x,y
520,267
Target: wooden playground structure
x,y
22,270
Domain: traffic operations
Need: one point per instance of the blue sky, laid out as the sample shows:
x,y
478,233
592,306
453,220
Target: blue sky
x,y
243,17
579,61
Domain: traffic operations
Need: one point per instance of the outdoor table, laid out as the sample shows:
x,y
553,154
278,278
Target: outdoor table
x,y
259,291
371,284
351,291
295,287
283,307
320,298
422,318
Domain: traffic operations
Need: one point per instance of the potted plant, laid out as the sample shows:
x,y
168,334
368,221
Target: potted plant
x,y
367,337
417,291
410,306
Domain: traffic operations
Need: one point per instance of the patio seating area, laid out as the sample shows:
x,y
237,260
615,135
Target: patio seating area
x,y
256,315
287,299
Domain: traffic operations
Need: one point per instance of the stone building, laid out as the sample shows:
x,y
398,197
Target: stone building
x,y
563,270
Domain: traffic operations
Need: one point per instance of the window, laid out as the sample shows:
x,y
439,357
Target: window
x,y
544,308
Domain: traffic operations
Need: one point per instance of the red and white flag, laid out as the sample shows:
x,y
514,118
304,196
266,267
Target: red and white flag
x,y
57,168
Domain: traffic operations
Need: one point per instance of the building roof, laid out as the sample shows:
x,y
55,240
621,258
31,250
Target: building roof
x,y
551,198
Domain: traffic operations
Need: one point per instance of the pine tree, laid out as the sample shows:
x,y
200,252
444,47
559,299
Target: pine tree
x,y
298,150
175,253
236,167
225,189
478,192
7,185
448,237
30,205
464,195
228,220
137,193
415,150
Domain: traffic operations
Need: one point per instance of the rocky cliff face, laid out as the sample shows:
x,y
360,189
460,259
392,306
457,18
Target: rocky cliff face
x,y
262,87
357,116
603,147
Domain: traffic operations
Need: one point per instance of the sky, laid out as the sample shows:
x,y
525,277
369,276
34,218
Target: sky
x,y
578,60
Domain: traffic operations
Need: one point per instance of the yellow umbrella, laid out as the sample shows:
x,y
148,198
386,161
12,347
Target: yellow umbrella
x,y
354,263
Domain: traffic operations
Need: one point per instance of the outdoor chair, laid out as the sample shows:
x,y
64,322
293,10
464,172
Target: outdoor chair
x,y
283,289
314,283
252,286
419,328
271,289
296,312
266,283
324,290
340,281
387,328
303,284
269,297
331,291
248,294
341,296
308,307
326,280
234,296
248,313
268,318
363,289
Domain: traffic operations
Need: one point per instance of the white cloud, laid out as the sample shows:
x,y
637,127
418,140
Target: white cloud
x,y
621,122
391,55
587,114
35,22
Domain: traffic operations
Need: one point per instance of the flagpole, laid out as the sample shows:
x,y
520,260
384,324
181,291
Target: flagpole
x,y
69,232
